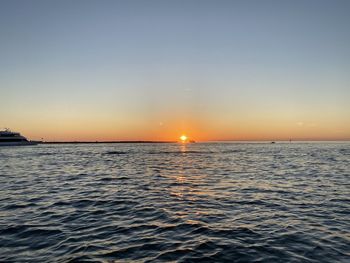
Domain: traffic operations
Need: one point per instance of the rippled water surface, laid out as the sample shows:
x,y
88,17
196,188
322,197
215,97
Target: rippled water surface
x,y
204,202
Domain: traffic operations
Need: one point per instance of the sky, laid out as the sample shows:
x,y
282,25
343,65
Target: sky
x,y
154,70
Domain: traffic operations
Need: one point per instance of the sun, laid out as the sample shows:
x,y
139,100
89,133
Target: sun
x,y
183,138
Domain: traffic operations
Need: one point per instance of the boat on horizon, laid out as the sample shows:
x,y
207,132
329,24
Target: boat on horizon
x,y
10,138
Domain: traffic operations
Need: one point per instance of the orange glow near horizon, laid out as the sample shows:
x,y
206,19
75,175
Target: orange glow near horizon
x,y
170,132
170,128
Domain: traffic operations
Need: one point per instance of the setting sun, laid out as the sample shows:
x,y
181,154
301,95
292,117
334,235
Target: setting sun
x,y
183,138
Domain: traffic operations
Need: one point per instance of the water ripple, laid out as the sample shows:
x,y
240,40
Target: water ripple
x,y
200,202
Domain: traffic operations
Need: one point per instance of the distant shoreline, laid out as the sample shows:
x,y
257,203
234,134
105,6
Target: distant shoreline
x,y
94,142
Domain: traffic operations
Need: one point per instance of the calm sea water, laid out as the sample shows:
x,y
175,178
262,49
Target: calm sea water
x,y
203,202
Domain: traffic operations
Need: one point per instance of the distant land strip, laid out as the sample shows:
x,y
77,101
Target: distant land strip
x,y
85,142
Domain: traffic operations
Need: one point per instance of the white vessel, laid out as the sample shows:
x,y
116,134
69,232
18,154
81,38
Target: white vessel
x,y
9,138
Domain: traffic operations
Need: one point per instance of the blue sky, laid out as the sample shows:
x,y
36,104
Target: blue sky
x,y
215,69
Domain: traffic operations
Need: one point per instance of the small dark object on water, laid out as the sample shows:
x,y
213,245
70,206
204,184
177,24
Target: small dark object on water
x,y
273,142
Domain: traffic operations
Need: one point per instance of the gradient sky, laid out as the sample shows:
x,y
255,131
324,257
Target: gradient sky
x,y
152,70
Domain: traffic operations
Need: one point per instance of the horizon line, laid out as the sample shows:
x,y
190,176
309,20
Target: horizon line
x,y
202,141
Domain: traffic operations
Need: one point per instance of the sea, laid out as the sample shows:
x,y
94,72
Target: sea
x,y
199,202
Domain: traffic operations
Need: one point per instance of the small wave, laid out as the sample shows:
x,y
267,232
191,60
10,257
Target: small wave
x,y
38,232
13,229
115,152
179,152
45,154
173,254
344,151
232,151
19,206
25,231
